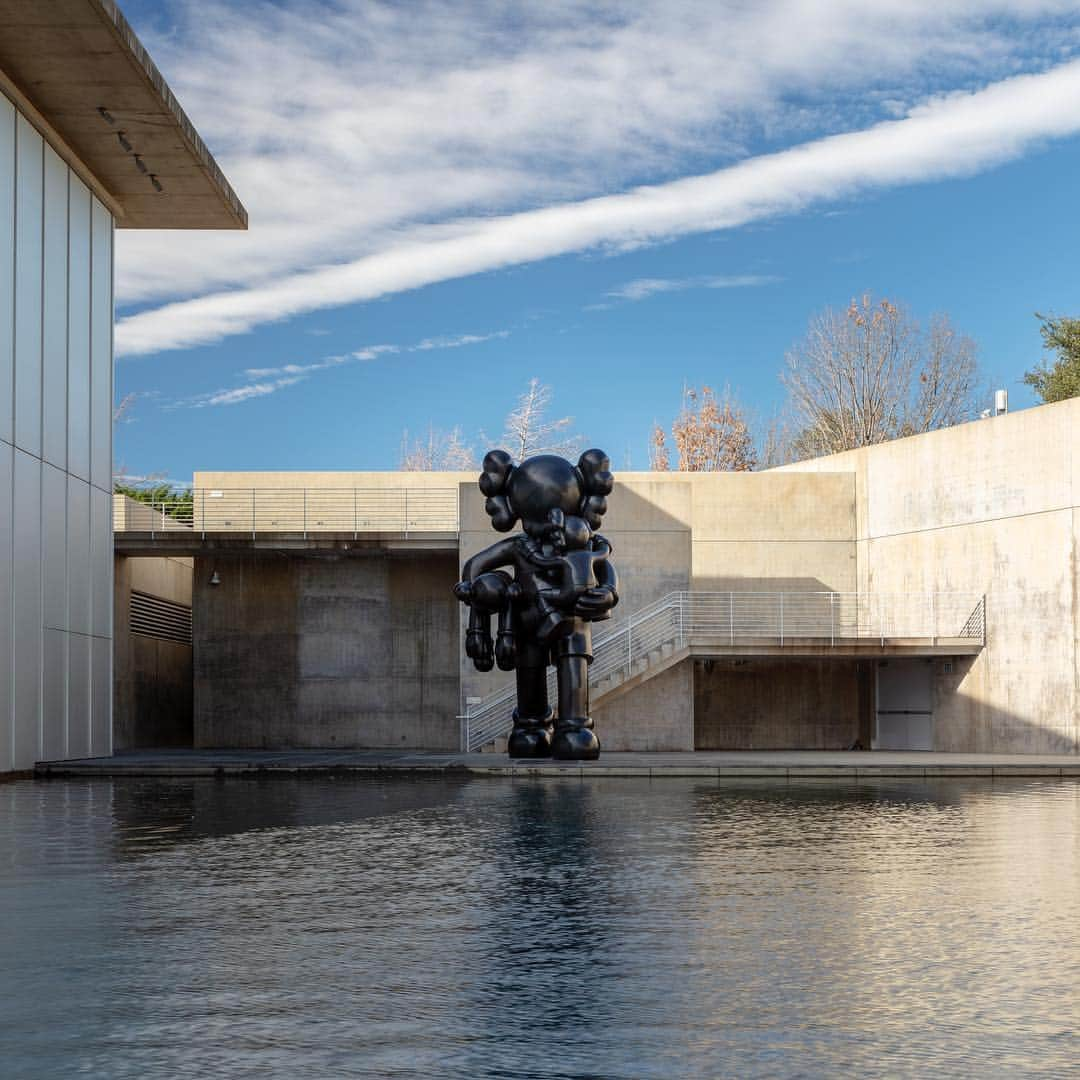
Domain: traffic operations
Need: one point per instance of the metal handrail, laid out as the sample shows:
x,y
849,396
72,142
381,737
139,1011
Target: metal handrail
x,y
714,619
293,510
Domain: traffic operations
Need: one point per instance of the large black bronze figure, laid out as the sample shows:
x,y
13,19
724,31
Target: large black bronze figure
x,y
562,582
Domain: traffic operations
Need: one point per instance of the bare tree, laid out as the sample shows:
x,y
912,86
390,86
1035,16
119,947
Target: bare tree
x,y
124,406
437,451
711,434
776,444
659,455
528,431
872,374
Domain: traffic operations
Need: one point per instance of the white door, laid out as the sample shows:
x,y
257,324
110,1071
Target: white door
x,y
905,705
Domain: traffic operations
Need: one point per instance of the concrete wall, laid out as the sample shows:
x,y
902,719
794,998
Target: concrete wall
x,y
152,698
55,455
990,506
657,715
353,652
777,704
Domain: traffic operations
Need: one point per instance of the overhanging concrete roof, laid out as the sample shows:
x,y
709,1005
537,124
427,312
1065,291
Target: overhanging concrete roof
x,y
80,66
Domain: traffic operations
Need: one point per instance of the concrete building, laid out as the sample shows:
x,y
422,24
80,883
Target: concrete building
x,y
91,139
922,594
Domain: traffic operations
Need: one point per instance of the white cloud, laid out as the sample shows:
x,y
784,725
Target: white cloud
x,y
948,136
236,394
643,288
346,124
457,342
291,374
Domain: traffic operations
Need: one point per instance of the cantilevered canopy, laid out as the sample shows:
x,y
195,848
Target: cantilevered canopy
x,y
76,66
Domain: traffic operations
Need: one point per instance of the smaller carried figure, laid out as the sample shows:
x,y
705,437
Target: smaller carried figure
x,y
563,581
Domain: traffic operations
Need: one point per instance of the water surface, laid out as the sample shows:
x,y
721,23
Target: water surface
x,y
497,928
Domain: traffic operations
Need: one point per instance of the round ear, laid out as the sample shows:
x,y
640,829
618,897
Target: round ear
x,y
595,468
498,465
593,508
501,513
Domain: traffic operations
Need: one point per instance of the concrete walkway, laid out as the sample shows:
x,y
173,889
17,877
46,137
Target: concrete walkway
x,y
784,764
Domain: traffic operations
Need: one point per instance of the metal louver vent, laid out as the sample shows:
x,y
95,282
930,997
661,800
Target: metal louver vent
x,y
151,616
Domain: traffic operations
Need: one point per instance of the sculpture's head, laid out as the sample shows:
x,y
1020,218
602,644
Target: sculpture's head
x,y
544,489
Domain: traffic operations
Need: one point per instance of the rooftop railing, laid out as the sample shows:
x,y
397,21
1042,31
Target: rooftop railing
x,y
300,511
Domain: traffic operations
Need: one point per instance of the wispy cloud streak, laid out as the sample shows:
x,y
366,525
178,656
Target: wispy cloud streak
x,y
643,288
950,136
237,394
272,379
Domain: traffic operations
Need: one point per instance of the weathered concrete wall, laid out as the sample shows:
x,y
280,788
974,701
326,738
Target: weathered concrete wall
x,y
355,652
772,704
773,532
657,715
152,693
990,506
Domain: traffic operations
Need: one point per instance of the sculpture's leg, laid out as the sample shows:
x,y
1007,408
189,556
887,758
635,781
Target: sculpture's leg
x,y
574,737
531,734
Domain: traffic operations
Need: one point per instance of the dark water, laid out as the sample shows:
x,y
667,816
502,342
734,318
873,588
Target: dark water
x,y
614,928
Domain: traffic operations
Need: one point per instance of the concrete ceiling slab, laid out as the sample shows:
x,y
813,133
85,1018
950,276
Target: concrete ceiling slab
x,y
80,65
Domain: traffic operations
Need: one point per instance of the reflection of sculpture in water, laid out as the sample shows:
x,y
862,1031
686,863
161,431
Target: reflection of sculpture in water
x,y
562,582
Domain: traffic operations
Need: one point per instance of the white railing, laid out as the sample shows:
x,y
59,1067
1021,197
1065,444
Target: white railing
x,y
708,622
293,510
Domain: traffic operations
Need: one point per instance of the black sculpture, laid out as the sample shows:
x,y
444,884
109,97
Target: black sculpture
x,y
562,582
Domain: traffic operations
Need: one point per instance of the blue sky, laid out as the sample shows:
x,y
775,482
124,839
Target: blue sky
x,y
446,201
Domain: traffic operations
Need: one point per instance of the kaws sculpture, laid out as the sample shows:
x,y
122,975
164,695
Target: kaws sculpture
x,y
562,582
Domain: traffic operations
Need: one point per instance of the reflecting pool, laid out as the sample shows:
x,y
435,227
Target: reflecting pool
x,y
498,928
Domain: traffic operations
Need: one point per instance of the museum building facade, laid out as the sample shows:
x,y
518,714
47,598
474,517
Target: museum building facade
x,y
91,140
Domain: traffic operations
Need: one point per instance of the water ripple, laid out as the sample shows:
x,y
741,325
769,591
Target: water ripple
x,y
617,928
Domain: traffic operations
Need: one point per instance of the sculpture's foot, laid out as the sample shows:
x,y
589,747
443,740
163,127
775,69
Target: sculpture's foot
x,y
575,741
505,651
480,649
530,738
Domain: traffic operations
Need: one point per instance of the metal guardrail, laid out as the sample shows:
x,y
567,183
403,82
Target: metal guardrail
x,y
293,510
708,621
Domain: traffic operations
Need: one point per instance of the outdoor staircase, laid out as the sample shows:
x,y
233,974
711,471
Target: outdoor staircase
x,y
685,624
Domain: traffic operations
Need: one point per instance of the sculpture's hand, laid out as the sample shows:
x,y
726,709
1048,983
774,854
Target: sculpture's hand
x,y
596,601
463,591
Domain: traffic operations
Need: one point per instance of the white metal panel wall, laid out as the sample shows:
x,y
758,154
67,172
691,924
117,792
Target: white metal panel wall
x,y
27,609
54,310
101,329
78,710
7,268
78,323
29,151
54,547
101,558
54,695
100,696
55,600
7,669
78,555
56,282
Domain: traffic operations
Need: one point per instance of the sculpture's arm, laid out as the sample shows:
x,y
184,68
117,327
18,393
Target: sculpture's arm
x,y
498,555
605,595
